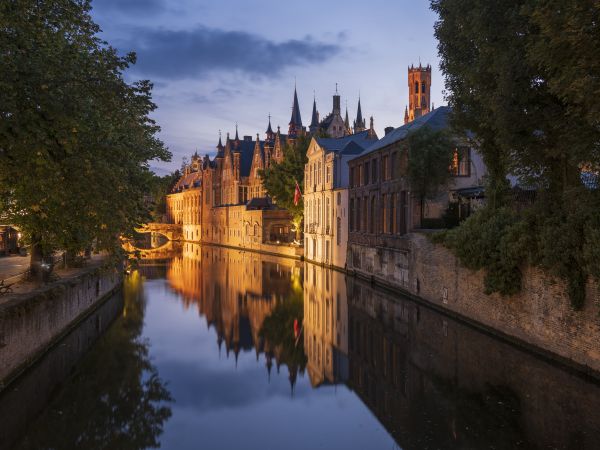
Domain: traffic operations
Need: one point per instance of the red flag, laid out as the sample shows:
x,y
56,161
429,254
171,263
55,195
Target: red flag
x,y
297,195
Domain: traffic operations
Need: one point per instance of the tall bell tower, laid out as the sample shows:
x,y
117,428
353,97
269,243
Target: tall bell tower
x,y
419,92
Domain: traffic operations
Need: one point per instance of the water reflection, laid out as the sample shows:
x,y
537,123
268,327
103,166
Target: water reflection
x,y
292,355
115,399
431,381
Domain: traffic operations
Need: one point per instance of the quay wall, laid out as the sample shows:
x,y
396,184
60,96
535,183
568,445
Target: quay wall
x,y
24,399
32,322
539,318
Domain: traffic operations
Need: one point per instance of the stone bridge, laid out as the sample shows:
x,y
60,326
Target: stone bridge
x,y
172,232
165,251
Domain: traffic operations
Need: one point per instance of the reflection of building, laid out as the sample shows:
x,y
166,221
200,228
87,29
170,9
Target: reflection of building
x,y
325,325
428,378
235,291
326,195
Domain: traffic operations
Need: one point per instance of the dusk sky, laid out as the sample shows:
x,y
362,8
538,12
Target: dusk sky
x,y
217,63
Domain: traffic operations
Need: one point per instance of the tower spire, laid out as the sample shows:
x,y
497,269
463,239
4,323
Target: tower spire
x,y
314,123
236,132
296,120
359,123
347,121
220,144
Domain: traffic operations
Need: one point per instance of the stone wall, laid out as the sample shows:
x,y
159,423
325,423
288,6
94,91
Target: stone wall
x,y
28,396
540,316
431,379
30,323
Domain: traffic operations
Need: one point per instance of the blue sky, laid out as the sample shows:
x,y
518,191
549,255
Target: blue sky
x,y
221,62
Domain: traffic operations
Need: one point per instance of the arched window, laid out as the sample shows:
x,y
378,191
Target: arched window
x,y
416,87
423,87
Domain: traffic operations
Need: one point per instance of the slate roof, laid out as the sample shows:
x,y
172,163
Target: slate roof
x,y
436,120
246,150
188,181
339,144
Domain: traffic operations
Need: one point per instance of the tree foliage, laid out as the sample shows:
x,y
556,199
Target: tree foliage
x,y
522,75
161,187
75,137
280,179
429,159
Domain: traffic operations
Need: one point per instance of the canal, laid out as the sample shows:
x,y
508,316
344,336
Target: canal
x,y
223,349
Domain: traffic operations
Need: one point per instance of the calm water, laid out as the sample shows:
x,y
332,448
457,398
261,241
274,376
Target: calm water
x,y
205,353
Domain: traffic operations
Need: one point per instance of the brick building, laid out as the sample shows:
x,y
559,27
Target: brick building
x,y
382,208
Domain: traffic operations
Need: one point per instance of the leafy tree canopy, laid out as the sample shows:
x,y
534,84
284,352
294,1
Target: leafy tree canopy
x,y
523,76
75,138
429,159
280,179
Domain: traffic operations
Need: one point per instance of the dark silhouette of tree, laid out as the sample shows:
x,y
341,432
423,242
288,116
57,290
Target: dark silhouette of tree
x,y
115,399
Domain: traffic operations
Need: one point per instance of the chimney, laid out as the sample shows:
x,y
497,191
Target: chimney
x,y
388,130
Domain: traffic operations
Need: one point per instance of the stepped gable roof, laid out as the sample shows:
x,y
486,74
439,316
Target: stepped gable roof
x,y
436,120
360,140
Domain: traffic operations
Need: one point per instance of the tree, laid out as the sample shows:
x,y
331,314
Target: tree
x,y
429,160
280,179
522,76
75,138
161,187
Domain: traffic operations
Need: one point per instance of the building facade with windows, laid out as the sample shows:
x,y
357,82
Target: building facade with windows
x,y
382,210
326,195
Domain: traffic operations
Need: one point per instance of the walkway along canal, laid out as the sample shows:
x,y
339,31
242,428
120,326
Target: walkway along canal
x,y
205,353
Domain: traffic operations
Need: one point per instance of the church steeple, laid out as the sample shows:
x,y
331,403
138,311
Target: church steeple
x,y
314,123
220,144
359,123
347,121
269,133
295,121
406,119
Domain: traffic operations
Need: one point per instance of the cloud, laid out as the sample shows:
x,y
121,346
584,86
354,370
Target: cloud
x,y
136,7
175,55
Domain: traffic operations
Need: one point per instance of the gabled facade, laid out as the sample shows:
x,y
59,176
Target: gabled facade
x,y
326,196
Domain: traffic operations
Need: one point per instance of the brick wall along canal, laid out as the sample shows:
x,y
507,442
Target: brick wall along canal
x,y
204,355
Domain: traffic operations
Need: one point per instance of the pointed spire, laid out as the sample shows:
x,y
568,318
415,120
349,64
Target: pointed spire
x,y
314,123
346,120
220,144
406,118
269,129
296,120
236,132
359,117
